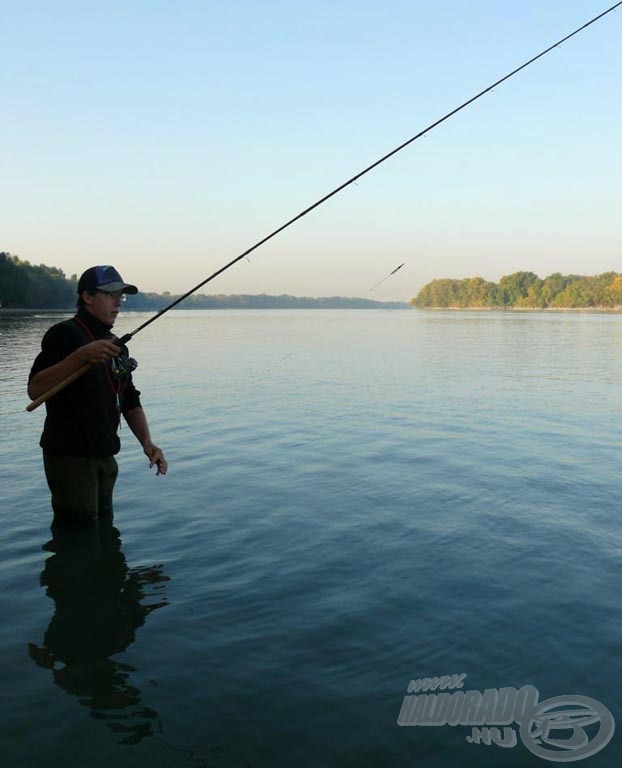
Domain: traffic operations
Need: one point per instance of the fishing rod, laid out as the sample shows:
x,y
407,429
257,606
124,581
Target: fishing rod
x,y
128,336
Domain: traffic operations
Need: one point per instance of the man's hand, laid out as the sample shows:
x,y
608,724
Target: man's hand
x,y
155,456
138,424
98,351
89,354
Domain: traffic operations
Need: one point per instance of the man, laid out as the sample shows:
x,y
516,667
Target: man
x,y
79,439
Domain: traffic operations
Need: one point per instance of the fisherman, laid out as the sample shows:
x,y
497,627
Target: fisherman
x,y
79,439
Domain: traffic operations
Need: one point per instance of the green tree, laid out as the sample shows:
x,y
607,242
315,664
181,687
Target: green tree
x,y
513,290
524,289
27,286
613,292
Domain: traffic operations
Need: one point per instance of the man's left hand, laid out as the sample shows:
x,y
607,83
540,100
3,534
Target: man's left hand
x,y
155,456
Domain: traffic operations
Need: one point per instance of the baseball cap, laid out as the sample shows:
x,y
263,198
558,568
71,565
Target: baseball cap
x,y
104,278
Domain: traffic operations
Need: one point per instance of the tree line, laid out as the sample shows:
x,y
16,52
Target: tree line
x,y
156,301
34,287
25,286
524,290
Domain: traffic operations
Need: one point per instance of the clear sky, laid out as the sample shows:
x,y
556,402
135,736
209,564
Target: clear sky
x,y
167,136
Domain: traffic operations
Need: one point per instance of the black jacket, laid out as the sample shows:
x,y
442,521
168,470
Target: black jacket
x,y
83,418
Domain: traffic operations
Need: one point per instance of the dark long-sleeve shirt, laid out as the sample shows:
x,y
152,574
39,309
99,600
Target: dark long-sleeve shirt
x,y
83,418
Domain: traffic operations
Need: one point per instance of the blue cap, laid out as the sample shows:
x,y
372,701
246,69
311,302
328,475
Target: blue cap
x,y
104,278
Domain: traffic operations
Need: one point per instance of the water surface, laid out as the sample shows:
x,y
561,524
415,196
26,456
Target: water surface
x,y
355,499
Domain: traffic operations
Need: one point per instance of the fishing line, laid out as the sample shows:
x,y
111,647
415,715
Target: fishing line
x,y
128,336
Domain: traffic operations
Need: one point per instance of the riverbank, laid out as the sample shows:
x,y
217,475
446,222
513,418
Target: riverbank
x,y
585,310
8,311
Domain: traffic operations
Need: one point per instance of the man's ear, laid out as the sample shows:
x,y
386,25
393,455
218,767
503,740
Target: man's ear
x,y
86,297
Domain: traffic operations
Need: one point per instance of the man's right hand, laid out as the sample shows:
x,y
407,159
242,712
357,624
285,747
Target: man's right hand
x,y
90,354
98,351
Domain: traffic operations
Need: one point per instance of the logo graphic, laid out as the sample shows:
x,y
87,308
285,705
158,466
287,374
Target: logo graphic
x,y
561,729
556,728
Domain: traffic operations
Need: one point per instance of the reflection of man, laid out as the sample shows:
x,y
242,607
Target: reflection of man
x,y
99,605
80,438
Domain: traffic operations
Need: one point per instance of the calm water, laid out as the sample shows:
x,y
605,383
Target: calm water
x,y
355,499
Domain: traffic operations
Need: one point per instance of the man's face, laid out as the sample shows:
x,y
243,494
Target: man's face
x,y
104,306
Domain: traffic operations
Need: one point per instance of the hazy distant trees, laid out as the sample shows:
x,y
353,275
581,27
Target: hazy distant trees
x,y
525,290
156,301
23,285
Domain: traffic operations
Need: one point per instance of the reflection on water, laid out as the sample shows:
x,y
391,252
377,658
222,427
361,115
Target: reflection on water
x,y
99,603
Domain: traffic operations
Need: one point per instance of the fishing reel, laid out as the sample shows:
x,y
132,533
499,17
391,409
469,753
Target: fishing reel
x,y
122,364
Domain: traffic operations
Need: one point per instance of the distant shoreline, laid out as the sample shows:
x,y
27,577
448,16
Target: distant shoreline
x,y
150,310
23,311
7,311
583,310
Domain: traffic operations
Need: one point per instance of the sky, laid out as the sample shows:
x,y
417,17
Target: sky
x,y
166,137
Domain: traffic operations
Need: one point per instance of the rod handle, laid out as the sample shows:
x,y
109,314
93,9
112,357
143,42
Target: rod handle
x,y
57,388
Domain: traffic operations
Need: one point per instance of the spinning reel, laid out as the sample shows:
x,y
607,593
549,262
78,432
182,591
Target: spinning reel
x,y
122,364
